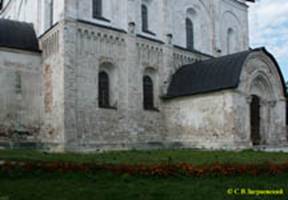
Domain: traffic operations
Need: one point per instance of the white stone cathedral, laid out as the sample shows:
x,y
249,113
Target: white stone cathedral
x,y
87,75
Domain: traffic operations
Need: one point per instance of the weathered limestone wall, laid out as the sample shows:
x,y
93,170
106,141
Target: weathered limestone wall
x,y
231,15
211,20
201,121
52,74
222,119
20,96
86,125
127,58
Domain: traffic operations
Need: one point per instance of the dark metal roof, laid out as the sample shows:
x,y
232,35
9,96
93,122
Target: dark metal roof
x,y
18,35
212,75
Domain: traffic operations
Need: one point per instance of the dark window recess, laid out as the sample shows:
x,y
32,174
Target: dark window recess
x,y
148,101
1,4
103,90
255,120
18,83
97,8
287,112
189,34
51,12
144,11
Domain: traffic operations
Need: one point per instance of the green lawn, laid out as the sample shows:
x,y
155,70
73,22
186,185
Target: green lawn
x,y
106,186
151,157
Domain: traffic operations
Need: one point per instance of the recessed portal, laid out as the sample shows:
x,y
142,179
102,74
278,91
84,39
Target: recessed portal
x,y
255,120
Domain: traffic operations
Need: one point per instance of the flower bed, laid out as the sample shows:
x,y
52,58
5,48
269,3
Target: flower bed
x,y
185,169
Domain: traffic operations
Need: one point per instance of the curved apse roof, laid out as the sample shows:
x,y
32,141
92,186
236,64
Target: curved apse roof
x,y
18,35
212,75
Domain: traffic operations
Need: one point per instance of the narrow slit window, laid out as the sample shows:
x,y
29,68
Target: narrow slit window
x,y
103,90
1,4
230,34
189,34
144,11
18,83
97,8
51,17
148,101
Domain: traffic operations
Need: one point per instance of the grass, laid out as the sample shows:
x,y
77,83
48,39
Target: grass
x,y
151,157
106,186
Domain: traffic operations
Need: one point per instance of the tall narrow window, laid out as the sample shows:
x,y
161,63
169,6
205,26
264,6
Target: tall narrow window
x,y
18,83
48,14
144,11
148,101
97,8
255,120
230,34
287,113
51,6
189,34
1,4
103,90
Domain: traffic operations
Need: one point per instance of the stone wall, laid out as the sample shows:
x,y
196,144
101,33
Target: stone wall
x,y
88,49
20,96
211,19
201,121
52,75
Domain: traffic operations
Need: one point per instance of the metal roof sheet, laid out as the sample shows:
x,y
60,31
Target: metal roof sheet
x,y
211,75
18,35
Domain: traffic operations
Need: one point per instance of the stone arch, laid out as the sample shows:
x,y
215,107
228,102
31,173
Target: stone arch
x,y
261,77
261,88
260,64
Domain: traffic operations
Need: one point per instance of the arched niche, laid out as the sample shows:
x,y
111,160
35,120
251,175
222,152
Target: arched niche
x,y
111,71
261,77
198,12
231,33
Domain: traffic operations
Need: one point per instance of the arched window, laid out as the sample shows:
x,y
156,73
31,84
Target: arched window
x,y
97,8
103,90
144,11
148,96
230,34
189,34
